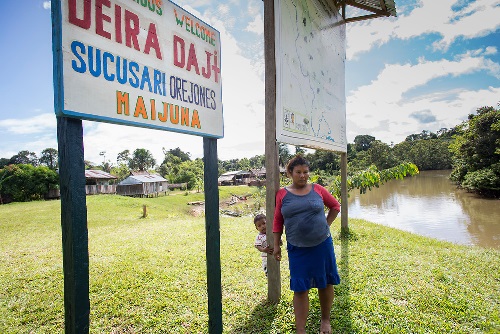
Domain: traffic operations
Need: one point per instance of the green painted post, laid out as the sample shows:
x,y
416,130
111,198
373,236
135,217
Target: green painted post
x,y
212,236
74,225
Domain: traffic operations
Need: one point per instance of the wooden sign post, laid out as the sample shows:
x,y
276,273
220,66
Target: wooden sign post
x,y
212,236
74,225
271,153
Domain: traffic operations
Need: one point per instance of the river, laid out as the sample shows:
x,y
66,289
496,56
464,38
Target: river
x,y
429,204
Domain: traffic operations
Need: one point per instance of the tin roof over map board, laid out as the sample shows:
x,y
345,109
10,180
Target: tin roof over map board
x,y
372,8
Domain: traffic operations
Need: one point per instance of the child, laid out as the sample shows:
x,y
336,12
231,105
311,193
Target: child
x,y
260,240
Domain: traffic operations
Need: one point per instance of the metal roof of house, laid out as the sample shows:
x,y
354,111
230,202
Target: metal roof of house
x,y
98,174
238,172
260,171
223,178
139,179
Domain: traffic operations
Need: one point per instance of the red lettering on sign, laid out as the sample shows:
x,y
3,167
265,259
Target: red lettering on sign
x,y
86,20
100,17
130,22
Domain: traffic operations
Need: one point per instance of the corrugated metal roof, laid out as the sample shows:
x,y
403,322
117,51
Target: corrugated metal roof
x,y
390,6
225,178
238,172
97,174
139,179
378,8
149,178
129,181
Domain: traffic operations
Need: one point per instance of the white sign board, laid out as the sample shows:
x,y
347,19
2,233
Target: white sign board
x,y
310,75
145,63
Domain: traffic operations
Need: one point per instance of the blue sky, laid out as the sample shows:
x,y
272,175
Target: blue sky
x,y
426,69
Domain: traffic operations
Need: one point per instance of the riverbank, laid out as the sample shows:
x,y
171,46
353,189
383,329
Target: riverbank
x,y
148,275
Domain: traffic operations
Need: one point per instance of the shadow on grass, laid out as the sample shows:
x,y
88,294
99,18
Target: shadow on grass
x,y
260,320
341,310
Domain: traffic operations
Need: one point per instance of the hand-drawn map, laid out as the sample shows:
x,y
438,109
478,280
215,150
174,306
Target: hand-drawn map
x,y
310,74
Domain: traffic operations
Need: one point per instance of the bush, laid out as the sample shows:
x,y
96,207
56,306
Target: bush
x,y
24,182
485,181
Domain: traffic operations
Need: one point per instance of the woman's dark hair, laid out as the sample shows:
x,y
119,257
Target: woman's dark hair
x,y
297,160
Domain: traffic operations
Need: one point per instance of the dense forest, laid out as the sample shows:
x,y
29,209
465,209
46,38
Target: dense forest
x,y
471,149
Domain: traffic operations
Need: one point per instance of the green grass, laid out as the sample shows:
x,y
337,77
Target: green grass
x,y
148,275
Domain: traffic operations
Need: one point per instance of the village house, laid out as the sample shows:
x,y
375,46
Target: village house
x,y
99,182
234,178
142,184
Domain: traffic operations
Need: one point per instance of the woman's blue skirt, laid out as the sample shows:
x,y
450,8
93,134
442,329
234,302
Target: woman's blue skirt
x,y
312,267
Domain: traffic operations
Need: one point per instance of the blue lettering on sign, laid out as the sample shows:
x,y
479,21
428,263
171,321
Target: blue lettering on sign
x,y
186,91
133,65
105,57
127,72
112,67
82,67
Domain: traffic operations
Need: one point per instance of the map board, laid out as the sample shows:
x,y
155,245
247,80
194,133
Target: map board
x,y
145,63
310,75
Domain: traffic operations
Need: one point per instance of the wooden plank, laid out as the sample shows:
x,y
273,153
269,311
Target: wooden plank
x,y
271,149
74,225
344,216
212,229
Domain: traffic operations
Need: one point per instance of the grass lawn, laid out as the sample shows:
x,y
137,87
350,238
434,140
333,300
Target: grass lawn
x,y
148,275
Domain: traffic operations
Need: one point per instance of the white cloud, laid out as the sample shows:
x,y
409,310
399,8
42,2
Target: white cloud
x,y
477,19
385,110
257,25
390,87
46,5
34,125
490,50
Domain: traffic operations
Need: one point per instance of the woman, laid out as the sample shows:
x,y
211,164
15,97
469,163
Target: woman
x,y
300,209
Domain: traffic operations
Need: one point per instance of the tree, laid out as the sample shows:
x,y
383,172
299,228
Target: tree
x,y
257,161
4,162
121,172
49,158
123,157
24,157
323,160
380,154
244,164
88,164
425,134
476,153
190,172
299,150
283,154
177,152
363,142
169,168
142,160
427,150
106,166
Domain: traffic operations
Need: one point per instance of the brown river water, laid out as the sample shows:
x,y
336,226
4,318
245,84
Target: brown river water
x,y
430,204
